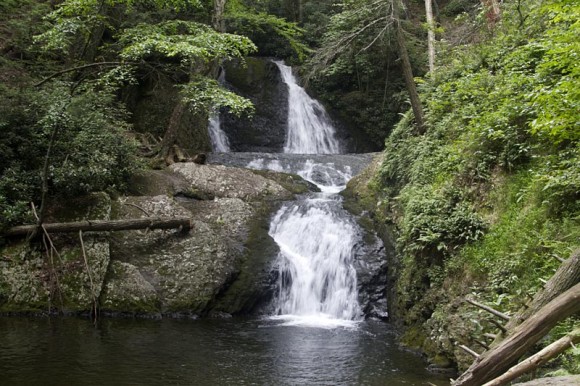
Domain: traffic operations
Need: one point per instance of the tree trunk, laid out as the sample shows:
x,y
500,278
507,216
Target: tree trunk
x,y
106,225
538,359
172,131
497,360
565,277
218,15
408,73
430,34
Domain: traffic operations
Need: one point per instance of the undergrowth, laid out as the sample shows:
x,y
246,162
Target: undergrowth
x,y
488,200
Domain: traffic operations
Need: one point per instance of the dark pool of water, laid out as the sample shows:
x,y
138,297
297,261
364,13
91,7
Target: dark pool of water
x,y
69,351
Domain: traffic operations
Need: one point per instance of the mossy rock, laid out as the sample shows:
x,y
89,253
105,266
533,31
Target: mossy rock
x,y
127,292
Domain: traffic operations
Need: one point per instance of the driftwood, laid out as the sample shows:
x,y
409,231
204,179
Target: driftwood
x,y
538,359
106,225
496,361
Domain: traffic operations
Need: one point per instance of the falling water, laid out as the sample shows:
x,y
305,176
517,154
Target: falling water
x,y
219,140
317,238
317,280
310,130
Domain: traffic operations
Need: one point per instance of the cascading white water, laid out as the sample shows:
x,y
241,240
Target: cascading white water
x,y
219,140
310,130
218,137
317,279
317,283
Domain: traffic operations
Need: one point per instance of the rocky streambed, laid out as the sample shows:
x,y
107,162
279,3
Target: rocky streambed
x,y
222,267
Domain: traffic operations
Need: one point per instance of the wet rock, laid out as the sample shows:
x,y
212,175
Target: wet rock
x,y
376,254
221,267
258,80
371,268
128,292
223,181
186,270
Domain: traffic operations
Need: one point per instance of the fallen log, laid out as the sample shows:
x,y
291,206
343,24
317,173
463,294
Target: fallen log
x,y
538,359
105,225
565,277
496,361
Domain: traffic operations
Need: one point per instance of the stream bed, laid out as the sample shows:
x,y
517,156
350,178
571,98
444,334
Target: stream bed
x,y
72,351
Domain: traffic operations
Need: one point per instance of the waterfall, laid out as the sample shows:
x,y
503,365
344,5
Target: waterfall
x,y
310,130
317,283
219,140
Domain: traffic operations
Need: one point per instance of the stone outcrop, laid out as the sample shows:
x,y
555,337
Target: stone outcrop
x,y
258,80
222,266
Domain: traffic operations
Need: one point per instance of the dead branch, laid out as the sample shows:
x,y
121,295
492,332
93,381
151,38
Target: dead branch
x,y
106,225
497,360
488,309
469,351
538,359
58,73
90,276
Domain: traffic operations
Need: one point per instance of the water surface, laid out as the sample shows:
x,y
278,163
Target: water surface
x,y
69,351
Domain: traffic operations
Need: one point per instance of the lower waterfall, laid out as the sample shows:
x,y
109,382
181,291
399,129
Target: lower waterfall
x,y
317,282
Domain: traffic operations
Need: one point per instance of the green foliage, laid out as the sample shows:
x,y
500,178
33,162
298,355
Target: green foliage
x,y
205,94
519,247
356,68
188,41
271,33
437,221
490,194
557,97
91,153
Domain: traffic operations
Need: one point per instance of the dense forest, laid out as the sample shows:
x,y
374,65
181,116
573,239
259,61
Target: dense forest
x,y
475,107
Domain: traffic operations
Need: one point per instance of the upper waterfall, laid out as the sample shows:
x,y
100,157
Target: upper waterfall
x,y
310,130
218,137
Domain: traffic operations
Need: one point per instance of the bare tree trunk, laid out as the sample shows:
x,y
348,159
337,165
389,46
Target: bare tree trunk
x,y
538,359
497,360
218,15
492,12
408,73
565,277
172,131
430,34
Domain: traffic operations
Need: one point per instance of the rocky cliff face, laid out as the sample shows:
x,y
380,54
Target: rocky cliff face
x,y
258,80
221,266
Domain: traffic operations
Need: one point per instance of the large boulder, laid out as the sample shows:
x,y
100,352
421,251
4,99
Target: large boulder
x,y
223,265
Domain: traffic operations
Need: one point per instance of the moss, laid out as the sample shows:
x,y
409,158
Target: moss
x,y
414,337
248,77
24,285
126,291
